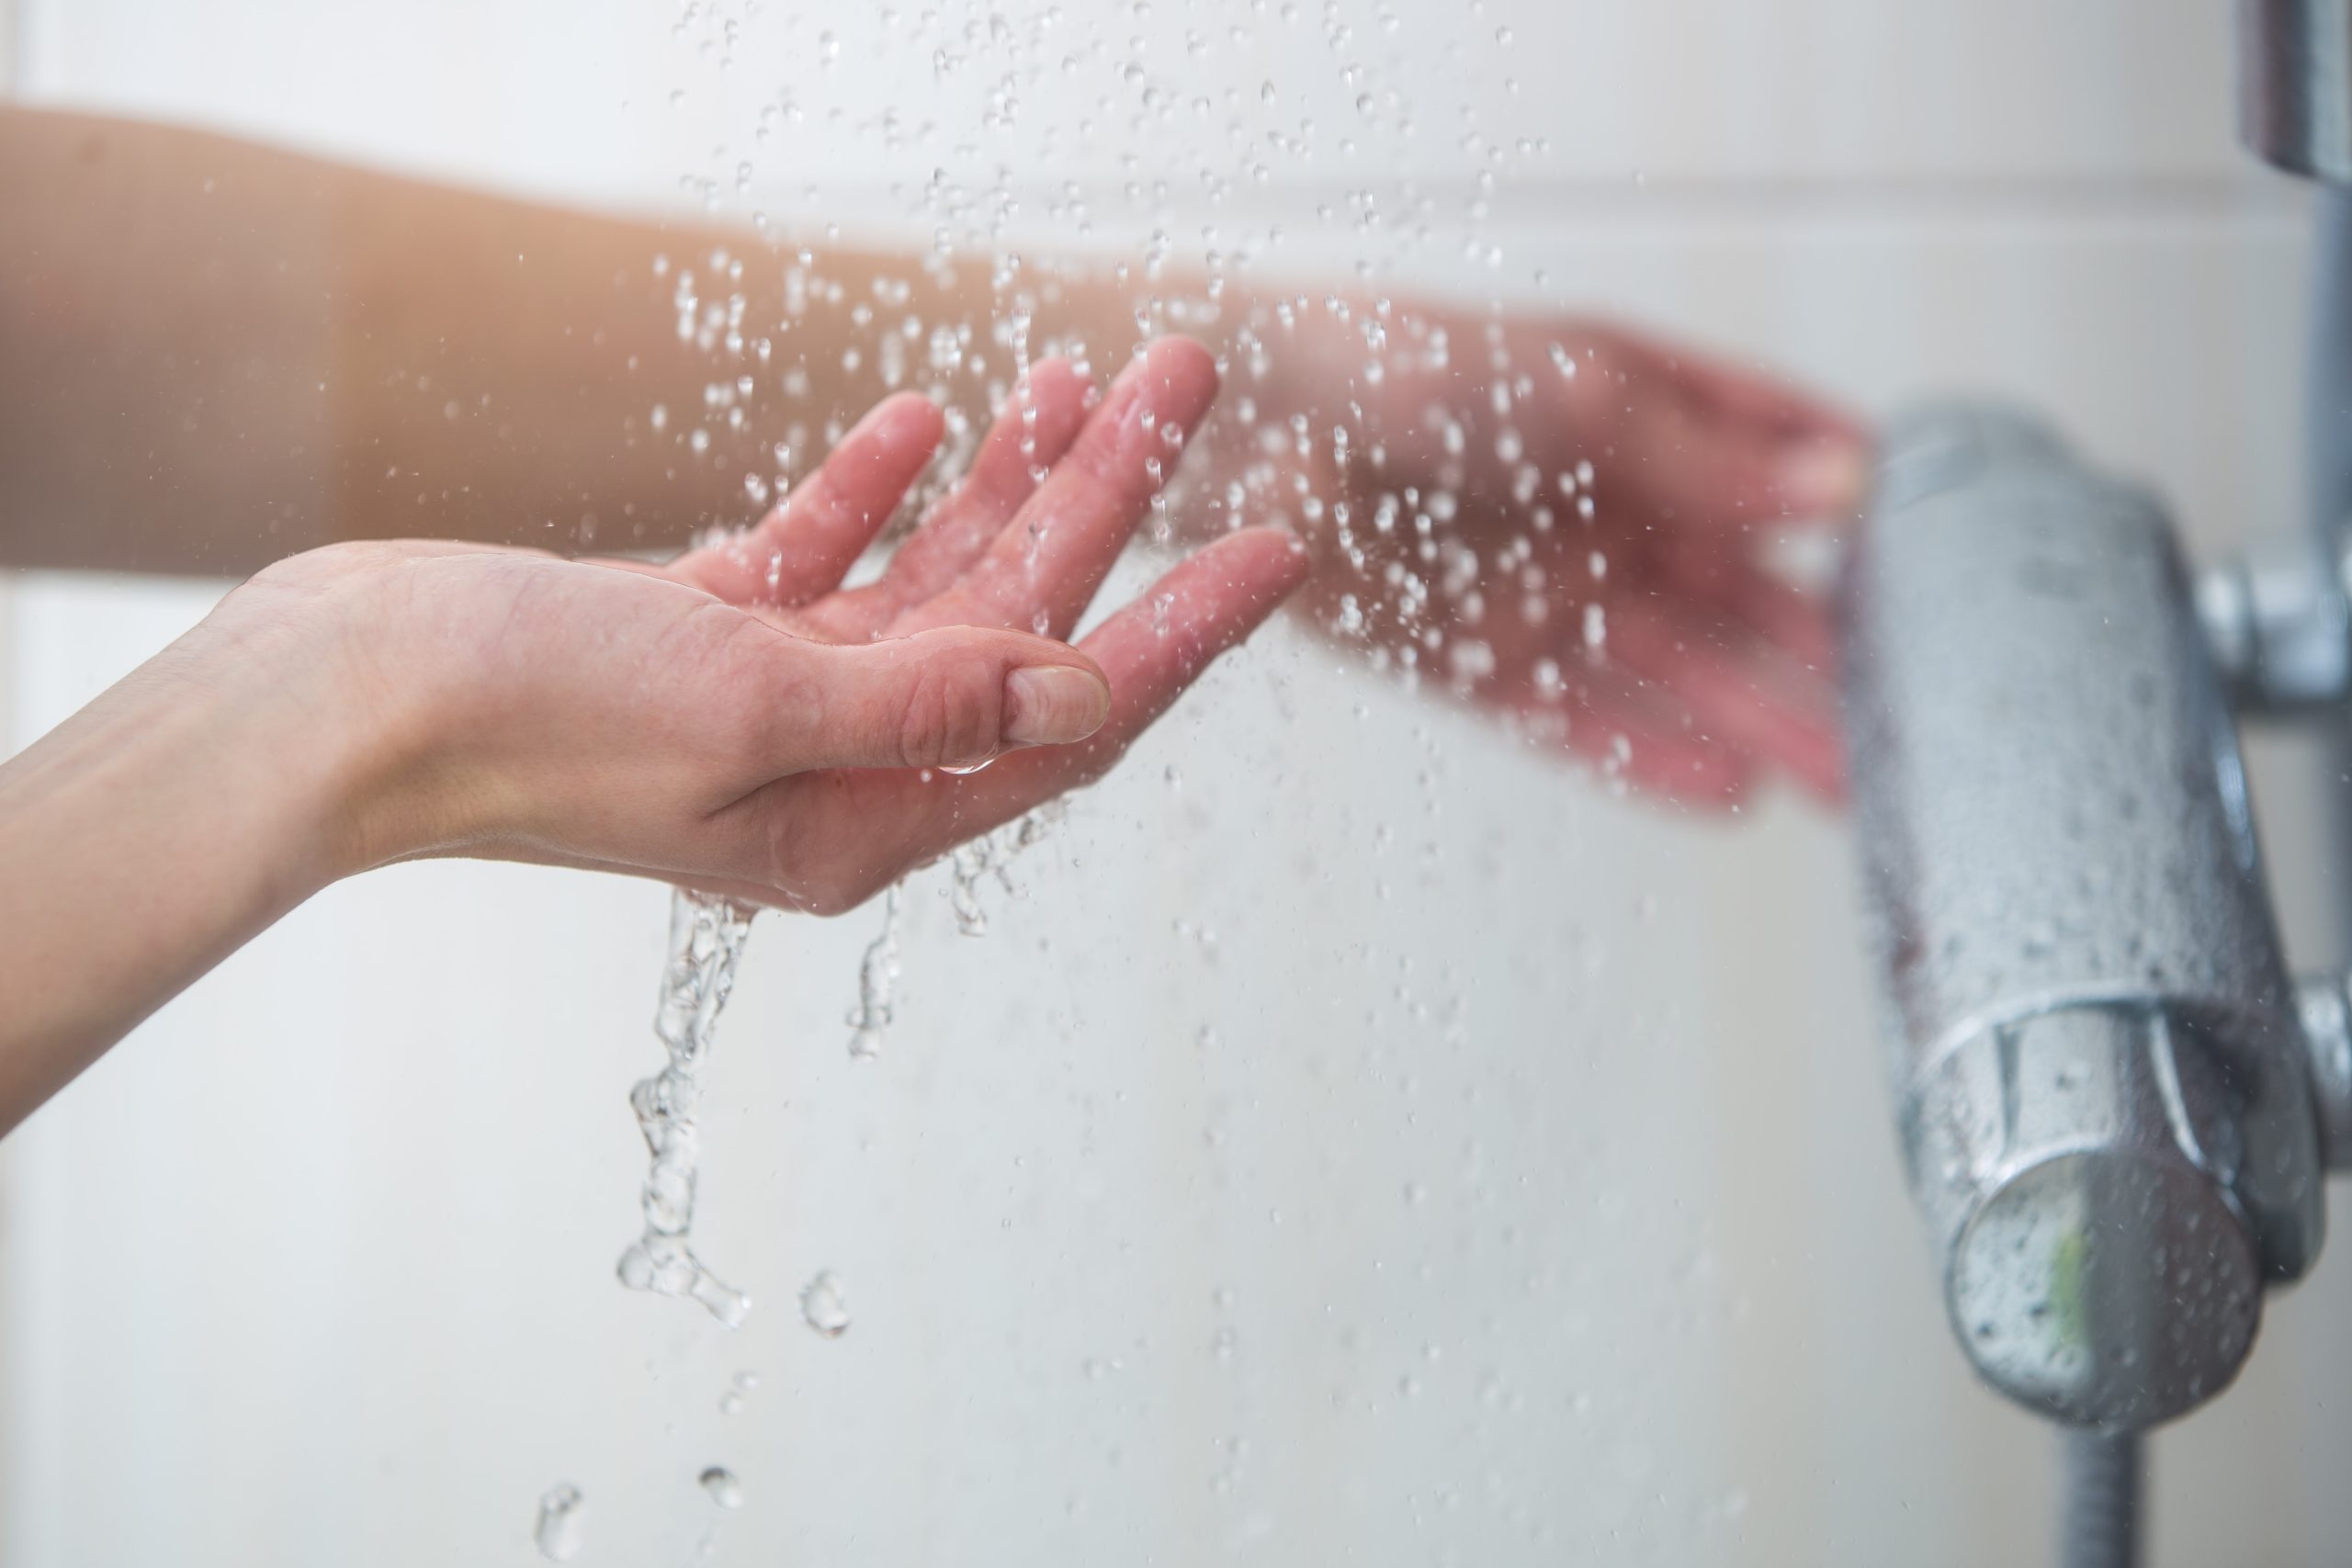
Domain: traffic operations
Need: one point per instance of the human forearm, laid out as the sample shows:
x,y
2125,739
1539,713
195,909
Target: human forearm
x,y
151,835
214,354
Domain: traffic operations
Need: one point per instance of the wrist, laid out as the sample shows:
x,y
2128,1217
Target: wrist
x,y
152,833
291,668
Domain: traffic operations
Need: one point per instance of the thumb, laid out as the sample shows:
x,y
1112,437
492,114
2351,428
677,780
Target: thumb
x,y
950,697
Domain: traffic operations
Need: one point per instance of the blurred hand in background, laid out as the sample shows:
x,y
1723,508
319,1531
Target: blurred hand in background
x,y
1570,525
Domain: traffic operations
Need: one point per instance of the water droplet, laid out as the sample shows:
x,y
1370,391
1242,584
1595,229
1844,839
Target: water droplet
x,y
823,1306
557,1535
724,1489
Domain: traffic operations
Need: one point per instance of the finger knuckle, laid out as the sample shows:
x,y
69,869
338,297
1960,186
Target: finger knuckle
x,y
950,716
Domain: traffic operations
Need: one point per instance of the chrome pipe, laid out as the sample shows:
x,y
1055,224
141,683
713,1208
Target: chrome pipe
x,y
2295,84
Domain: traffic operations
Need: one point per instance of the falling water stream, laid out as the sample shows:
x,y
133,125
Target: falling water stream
x,y
707,937
878,979
705,944
1394,619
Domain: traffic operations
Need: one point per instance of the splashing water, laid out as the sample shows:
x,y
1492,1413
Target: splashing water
x,y
556,1534
878,979
1339,447
992,855
706,942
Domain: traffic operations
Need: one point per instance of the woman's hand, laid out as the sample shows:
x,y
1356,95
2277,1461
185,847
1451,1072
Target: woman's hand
x,y
735,720
1564,521
739,721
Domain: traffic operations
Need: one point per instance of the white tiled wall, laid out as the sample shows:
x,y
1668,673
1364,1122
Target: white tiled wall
x,y
1530,1196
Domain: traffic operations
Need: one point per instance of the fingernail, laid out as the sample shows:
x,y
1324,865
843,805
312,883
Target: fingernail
x,y
1050,704
1827,479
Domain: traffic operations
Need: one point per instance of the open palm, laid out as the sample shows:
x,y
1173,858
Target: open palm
x,y
738,721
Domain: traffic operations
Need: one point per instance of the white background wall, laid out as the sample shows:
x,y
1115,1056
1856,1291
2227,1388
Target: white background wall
x,y
1530,1195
